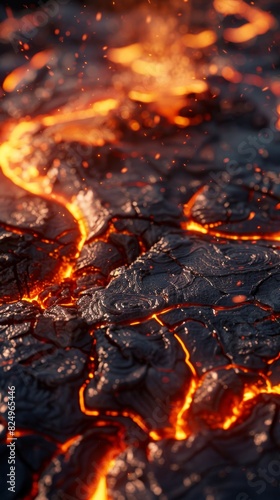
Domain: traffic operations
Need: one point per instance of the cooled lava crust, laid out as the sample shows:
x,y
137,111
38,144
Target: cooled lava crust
x,y
140,285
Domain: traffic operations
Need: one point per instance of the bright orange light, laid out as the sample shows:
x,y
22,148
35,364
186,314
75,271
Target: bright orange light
x,y
128,414
30,180
101,490
200,40
231,75
137,95
248,394
26,72
100,108
85,410
125,55
182,121
187,358
66,124
67,445
277,126
213,229
162,74
194,226
259,21
180,425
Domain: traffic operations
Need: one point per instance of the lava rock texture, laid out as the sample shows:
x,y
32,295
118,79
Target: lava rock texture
x,y
147,349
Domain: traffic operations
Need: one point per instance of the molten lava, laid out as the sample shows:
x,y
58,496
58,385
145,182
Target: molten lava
x,y
159,89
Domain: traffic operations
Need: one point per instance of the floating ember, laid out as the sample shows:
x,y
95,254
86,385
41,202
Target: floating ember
x,y
140,254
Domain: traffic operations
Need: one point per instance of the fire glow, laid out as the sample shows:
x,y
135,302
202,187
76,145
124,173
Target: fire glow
x,y
154,80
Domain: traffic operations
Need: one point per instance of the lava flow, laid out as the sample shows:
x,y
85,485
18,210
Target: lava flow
x,y
73,125
139,250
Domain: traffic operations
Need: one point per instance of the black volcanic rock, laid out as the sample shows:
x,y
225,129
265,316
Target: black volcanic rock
x,y
147,349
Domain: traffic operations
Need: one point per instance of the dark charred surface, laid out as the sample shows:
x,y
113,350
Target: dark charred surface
x,y
147,349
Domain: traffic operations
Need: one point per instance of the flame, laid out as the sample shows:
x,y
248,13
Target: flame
x,y
232,414
259,21
100,492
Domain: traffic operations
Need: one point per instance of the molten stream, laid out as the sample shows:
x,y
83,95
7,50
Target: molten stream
x,y
40,187
71,125
249,394
101,490
30,180
159,74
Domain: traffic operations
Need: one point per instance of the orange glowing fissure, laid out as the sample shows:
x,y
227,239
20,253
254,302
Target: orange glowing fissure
x,y
108,413
249,394
199,228
180,429
101,490
213,229
166,92
11,153
179,419
230,415
32,182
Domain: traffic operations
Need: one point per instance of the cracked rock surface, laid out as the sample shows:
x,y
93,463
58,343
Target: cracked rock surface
x,y
148,354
